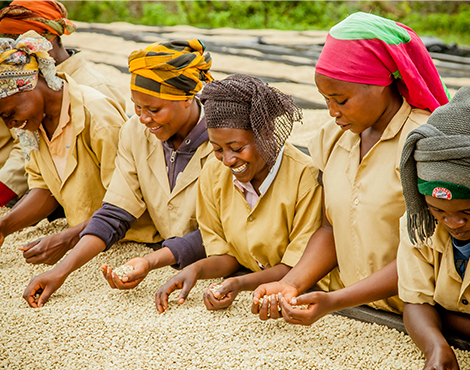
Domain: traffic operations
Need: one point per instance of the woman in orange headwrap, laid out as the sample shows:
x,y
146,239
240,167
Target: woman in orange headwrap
x,y
68,134
49,19
162,150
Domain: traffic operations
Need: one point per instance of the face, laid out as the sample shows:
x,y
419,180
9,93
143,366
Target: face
x,y
454,214
23,110
355,106
163,118
236,149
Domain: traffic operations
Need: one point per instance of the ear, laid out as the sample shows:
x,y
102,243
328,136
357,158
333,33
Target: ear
x,y
187,103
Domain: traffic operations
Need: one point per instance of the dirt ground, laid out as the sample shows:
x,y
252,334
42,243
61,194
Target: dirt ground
x,y
87,325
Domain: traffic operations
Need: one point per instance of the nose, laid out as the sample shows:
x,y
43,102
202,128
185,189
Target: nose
x,y
454,221
228,158
333,109
145,117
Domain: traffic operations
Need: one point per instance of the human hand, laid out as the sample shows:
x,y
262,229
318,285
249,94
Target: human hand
x,y
130,280
185,281
319,304
41,287
49,249
224,295
269,307
441,358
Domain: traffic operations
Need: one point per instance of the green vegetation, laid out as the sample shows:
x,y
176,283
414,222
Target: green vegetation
x,y
448,20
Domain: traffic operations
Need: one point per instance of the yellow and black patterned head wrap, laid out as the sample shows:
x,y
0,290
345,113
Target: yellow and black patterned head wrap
x,y
174,70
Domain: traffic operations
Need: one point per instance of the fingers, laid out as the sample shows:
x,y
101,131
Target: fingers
x,y
274,308
161,297
44,297
107,271
264,312
29,245
214,303
208,299
290,314
258,293
121,284
30,294
184,292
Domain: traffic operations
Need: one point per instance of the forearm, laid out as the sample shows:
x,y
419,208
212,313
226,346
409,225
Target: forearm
x,y
252,281
36,205
74,232
88,247
423,324
317,261
455,322
215,266
380,285
160,258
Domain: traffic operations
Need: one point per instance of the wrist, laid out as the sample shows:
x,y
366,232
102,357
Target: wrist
x,y
152,260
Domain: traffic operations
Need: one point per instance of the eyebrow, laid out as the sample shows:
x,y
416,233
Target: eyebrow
x,y
440,209
232,142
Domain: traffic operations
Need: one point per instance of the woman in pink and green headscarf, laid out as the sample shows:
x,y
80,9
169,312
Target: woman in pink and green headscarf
x,y
379,83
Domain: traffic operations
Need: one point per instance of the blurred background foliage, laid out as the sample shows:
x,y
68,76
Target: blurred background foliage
x,y
447,20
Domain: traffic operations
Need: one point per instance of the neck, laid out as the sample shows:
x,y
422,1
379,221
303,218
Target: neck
x,y
53,106
259,178
58,53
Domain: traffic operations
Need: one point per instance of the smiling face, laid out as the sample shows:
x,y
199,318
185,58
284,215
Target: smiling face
x,y
23,110
236,149
454,214
358,107
163,118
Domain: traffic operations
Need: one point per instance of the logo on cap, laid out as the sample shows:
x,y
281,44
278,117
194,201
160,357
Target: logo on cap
x,y
442,193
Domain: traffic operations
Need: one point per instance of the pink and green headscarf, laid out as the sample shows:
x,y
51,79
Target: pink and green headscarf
x,y
368,49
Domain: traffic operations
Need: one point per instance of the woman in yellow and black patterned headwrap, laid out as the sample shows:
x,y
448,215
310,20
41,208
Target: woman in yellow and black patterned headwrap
x,y
162,150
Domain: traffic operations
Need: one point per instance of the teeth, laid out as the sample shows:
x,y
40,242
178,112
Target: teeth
x,y
239,169
24,125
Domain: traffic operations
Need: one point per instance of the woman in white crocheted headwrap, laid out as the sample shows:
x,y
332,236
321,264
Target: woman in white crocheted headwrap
x,y
69,135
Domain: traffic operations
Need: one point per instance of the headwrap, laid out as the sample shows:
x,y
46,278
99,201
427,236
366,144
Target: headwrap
x,y
436,161
245,102
20,64
21,61
368,49
46,17
174,70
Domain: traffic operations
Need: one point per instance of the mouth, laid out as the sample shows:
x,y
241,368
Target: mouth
x,y
155,130
457,234
239,170
23,125
344,126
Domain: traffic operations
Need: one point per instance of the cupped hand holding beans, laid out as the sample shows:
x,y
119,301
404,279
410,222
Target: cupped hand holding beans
x,y
185,281
307,308
268,308
130,280
223,296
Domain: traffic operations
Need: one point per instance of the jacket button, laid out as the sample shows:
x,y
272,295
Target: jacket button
x,y
170,206
464,301
251,218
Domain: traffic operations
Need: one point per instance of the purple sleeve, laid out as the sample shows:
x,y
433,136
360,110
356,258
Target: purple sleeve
x,y
109,223
186,249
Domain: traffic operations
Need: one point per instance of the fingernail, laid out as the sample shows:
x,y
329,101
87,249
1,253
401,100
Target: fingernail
x,y
293,301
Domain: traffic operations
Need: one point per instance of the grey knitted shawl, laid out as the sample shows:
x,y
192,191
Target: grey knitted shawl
x,y
436,151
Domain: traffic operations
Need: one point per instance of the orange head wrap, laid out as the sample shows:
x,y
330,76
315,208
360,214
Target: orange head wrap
x,y
46,17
